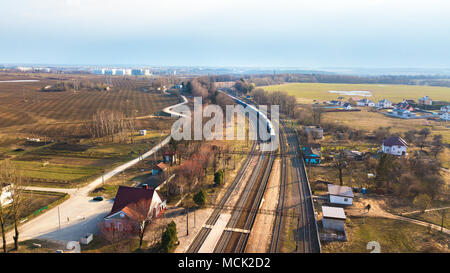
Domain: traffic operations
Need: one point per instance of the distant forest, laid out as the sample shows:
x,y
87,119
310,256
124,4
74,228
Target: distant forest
x,y
270,79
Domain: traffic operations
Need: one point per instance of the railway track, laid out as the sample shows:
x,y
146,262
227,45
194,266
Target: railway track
x,y
276,234
249,202
306,235
203,233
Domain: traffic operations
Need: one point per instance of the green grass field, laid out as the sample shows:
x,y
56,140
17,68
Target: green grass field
x,y
307,92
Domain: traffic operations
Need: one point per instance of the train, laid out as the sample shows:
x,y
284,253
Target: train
x,y
269,126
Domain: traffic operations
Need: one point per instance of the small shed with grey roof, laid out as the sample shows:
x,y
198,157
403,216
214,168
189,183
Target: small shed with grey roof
x,y
341,195
333,218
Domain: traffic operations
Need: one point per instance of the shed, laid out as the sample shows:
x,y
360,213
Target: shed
x,y
341,195
142,132
159,168
333,218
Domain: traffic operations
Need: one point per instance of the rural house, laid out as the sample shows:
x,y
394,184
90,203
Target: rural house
x,y
131,205
395,146
445,116
425,101
365,102
347,106
333,218
341,195
384,103
445,109
159,168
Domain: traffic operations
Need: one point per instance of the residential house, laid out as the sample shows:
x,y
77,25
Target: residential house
x,y
365,102
312,154
335,102
395,146
445,116
445,109
131,205
159,168
404,105
5,195
403,113
170,157
384,103
347,106
425,101
333,218
341,195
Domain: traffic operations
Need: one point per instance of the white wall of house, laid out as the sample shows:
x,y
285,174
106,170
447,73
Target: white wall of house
x,y
333,224
394,150
342,200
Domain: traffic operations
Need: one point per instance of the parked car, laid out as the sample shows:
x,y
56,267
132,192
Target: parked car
x,y
98,198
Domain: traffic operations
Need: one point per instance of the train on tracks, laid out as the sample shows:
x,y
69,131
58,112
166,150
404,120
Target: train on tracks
x,y
260,115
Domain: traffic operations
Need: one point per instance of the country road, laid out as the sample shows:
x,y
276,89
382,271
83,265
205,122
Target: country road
x,y
79,214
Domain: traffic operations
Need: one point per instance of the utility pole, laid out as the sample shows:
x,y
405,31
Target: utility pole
x,y
103,177
59,219
187,220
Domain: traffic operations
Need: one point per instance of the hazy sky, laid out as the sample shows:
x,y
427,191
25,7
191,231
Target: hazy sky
x,y
296,33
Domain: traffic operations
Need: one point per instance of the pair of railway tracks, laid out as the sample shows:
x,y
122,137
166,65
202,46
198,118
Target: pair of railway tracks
x,y
234,239
306,233
204,232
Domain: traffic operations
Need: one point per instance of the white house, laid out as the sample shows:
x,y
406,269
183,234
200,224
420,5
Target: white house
x,y
365,102
5,195
395,146
384,103
445,108
445,116
333,218
347,106
142,132
425,101
341,195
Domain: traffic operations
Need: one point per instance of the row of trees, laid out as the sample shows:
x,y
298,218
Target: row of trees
x,y
108,124
287,103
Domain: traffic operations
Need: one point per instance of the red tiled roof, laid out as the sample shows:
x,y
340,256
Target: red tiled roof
x,y
127,196
395,141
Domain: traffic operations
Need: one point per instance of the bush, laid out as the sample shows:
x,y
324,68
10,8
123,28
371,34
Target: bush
x,y
218,177
422,201
169,237
200,198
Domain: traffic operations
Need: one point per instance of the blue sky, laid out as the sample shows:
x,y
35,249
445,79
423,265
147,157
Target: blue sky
x,y
271,33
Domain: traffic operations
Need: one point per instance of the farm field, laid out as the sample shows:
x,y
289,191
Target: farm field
x,y
370,121
394,236
25,103
308,92
65,156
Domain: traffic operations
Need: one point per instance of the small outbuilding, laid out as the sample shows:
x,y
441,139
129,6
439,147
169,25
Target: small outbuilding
x,y
340,195
142,132
170,157
159,168
333,218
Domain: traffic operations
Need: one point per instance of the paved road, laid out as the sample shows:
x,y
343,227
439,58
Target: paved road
x,y
79,214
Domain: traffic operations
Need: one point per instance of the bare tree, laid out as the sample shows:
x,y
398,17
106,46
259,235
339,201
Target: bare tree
x,y
142,215
2,216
